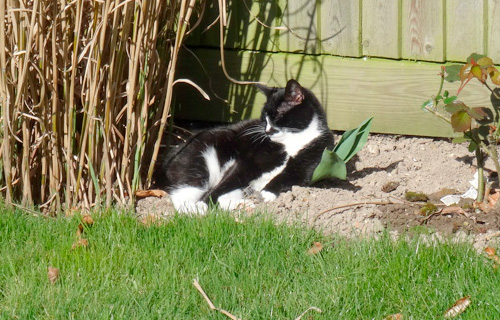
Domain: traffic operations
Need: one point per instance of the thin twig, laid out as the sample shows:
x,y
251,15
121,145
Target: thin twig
x,y
350,205
210,304
308,309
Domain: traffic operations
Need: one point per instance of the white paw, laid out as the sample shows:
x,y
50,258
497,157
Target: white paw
x,y
231,204
199,207
268,196
231,200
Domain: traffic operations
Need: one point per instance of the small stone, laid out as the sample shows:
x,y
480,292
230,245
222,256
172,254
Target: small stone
x,y
390,186
373,149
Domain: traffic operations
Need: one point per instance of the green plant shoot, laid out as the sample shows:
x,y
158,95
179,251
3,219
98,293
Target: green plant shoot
x,y
333,162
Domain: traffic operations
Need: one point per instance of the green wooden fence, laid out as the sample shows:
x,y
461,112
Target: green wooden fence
x,y
362,58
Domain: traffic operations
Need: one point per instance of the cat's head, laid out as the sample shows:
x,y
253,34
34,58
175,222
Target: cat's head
x,y
289,109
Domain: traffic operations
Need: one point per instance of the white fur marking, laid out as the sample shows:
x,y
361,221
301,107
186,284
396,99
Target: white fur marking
x,y
186,200
259,183
296,141
213,166
231,200
215,171
268,196
268,124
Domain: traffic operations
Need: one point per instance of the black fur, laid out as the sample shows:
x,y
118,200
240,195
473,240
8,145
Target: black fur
x,y
249,144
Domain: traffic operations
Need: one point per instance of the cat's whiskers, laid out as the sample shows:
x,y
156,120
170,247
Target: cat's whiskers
x,y
256,133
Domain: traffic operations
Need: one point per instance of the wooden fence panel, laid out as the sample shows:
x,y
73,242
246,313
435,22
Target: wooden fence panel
x,y
351,90
494,30
381,28
423,30
464,28
252,25
301,17
340,28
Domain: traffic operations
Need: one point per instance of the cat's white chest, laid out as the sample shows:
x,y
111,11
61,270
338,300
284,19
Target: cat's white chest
x,y
293,142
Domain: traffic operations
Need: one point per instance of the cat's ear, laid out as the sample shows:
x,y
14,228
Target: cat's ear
x,y
294,93
264,89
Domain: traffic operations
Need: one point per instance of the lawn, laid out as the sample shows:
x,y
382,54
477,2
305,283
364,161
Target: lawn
x,y
253,269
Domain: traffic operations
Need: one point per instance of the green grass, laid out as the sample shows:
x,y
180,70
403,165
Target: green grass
x,y
255,270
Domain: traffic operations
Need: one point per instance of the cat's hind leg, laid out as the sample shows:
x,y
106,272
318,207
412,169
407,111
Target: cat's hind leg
x,y
187,200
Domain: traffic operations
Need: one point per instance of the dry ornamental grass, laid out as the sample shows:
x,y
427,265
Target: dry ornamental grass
x,y
85,89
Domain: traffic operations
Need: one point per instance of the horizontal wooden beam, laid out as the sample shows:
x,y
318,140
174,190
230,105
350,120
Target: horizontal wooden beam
x,y
351,90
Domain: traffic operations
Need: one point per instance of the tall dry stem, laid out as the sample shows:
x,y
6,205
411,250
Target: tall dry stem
x,y
82,86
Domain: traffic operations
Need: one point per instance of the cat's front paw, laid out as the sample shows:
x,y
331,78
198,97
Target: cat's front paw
x,y
268,196
199,207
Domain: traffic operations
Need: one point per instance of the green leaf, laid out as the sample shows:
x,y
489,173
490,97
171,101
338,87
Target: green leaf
x,y
453,72
485,62
475,56
428,104
450,99
331,166
353,140
481,133
461,121
473,146
460,140
455,106
446,93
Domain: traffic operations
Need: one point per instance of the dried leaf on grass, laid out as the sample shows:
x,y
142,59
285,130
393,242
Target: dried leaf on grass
x,y
140,194
315,249
458,308
87,220
80,243
491,252
396,316
53,274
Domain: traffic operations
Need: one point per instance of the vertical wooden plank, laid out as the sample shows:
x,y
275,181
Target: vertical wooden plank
x,y
300,17
423,30
380,28
464,29
494,30
253,25
340,28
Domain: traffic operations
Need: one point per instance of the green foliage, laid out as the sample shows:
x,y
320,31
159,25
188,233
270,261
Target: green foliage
x,y
428,209
479,125
413,196
333,162
331,166
255,270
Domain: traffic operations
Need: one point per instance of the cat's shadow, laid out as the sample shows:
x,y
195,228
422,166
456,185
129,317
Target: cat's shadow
x,y
353,175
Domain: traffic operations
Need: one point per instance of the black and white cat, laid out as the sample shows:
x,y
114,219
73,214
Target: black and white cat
x,y
268,155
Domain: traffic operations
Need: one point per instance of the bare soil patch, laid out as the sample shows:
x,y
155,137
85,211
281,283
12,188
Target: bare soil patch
x,y
373,197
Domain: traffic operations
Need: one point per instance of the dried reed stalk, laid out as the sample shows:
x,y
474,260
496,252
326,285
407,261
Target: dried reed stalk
x,y
85,87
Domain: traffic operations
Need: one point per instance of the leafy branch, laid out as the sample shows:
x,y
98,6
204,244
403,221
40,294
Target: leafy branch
x,y
480,126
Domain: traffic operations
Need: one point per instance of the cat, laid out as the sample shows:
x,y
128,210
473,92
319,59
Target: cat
x,y
268,155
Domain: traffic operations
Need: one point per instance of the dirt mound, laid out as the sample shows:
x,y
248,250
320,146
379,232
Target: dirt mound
x,y
373,197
